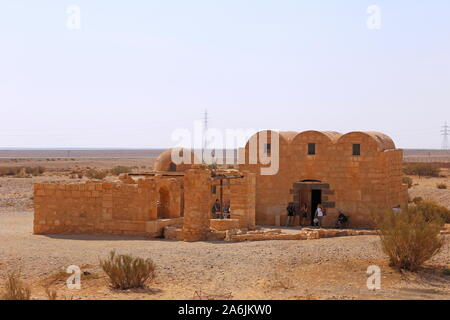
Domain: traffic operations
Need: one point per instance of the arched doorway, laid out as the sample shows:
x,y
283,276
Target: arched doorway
x,y
172,167
312,192
163,204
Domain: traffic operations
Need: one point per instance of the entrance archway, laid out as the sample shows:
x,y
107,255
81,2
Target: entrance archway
x,y
312,192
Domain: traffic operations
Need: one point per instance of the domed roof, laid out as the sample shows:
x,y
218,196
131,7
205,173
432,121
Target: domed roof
x,y
288,135
164,161
385,142
333,135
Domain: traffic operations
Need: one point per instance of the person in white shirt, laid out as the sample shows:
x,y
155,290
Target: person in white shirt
x,y
319,215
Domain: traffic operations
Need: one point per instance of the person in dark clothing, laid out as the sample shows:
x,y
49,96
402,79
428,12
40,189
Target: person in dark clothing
x,y
227,210
290,214
341,220
216,210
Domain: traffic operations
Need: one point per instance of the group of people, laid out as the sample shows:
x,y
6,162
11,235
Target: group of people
x,y
292,211
221,213
319,214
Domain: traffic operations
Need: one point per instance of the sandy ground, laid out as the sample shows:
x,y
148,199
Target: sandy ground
x,y
332,268
426,188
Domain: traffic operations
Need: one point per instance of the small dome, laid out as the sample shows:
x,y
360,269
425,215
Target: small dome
x,y
164,161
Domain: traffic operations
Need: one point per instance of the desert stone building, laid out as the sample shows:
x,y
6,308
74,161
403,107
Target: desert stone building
x,y
359,173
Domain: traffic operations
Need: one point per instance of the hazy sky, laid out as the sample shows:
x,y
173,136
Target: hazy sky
x,y
138,70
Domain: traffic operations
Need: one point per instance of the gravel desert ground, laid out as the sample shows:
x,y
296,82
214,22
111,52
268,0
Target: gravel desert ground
x,y
333,268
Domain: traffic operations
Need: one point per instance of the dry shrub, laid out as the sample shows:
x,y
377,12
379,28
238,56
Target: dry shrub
x,y
416,200
410,236
19,171
15,288
126,271
51,294
35,171
9,171
431,209
408,181
441,185
422,169
120,169
96,174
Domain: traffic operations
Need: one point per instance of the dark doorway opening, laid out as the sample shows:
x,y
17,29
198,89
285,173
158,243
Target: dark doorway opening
x,y
163,204
316,198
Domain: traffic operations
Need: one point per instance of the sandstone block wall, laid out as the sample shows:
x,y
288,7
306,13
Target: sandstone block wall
x,y
197,191
101,208
241,193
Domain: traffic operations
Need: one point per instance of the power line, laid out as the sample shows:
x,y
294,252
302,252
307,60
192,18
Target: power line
x,y
445,132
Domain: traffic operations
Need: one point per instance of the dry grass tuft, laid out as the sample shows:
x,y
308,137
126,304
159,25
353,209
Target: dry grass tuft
x,y
422,169
408,181
96,174
21,171
126,271
117,170
51,294
15,288
441,185
431,209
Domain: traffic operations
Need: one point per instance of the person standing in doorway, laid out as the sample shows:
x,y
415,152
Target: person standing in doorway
x,y
216,210
319,215
227,209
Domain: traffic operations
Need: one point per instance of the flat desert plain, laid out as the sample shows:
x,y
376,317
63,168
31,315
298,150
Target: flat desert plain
x,y
332,268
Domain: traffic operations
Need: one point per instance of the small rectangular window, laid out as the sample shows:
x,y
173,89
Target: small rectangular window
x,y
356,149
267,148
311,148
214,189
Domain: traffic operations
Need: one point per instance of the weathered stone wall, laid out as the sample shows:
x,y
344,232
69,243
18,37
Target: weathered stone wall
x,y
242,196
197,194
103,207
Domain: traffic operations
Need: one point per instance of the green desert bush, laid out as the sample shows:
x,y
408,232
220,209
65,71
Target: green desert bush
x,y
422,169
96,174
15,288
408,181
410,236
117,170
126,271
